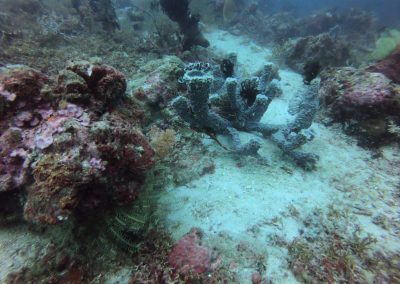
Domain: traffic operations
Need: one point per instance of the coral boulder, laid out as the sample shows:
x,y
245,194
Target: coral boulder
x,y
390,66
365,102
189,258
72,145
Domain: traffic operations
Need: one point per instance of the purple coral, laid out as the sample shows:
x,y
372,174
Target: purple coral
x,y
65,154
364,102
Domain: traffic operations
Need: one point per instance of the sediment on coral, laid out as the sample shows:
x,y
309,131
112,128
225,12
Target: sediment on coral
x,y
334,249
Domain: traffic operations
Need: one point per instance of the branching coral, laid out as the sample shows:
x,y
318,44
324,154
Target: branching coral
x,y
238,111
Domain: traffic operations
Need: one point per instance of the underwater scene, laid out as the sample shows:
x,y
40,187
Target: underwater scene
x,y
202,141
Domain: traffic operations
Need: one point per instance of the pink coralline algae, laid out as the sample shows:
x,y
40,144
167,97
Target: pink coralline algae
x,y
349,91
189,258
365,102
64,147
20,101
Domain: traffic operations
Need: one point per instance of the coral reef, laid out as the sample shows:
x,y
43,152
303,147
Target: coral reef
x,y
389,66
364,101
159,85
229,11
280,27
102,11
56,263
179,12
242,111
65,146
22,105
323,48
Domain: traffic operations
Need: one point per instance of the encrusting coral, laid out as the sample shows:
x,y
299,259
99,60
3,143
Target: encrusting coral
x,y
65,145
236,111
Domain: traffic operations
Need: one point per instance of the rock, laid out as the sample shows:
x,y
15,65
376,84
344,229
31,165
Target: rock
x,y
350,93
390,66
323,48
366,103
188,257
256,278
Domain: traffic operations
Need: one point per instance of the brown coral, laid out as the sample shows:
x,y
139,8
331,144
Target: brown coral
x,y
55,192
105,82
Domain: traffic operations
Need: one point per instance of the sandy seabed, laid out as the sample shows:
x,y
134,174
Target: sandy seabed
x,y
242,210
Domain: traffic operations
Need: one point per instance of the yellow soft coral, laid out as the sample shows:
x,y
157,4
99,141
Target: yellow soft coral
x,y
385,44
162,141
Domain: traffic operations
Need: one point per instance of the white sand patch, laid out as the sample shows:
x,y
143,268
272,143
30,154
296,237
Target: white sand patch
x,y
254,205
251,56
